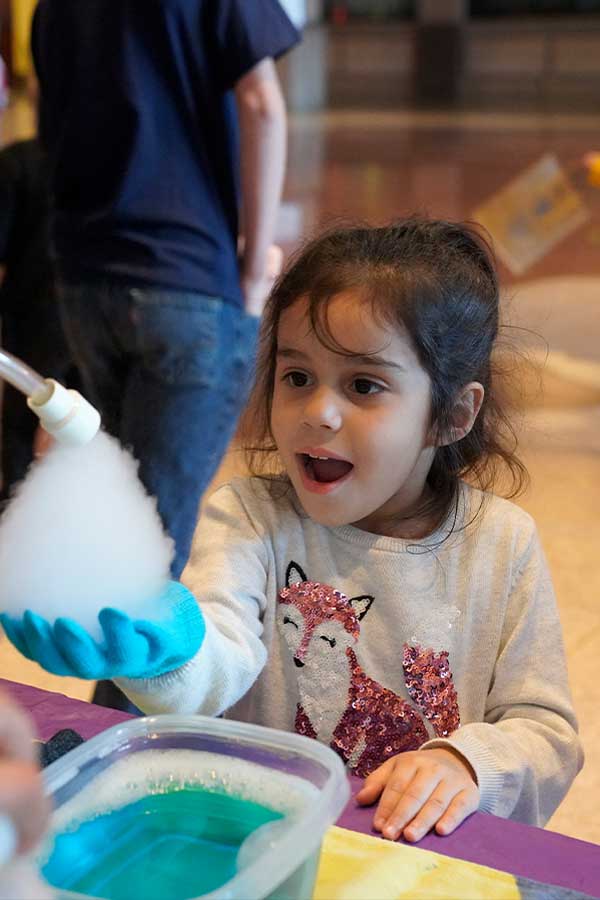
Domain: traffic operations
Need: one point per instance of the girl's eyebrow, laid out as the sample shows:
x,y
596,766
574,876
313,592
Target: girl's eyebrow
x,y
291,353
364,359
380,361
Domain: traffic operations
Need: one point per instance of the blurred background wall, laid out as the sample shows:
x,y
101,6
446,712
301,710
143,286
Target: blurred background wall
x,y
22,11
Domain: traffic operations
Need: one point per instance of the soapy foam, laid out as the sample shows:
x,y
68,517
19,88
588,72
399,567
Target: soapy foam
x,y
81,534
161,771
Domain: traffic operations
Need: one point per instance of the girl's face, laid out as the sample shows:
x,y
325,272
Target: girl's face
x,y
353,431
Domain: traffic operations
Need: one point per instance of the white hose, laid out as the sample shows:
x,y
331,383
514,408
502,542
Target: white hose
x,y
24,379
64,414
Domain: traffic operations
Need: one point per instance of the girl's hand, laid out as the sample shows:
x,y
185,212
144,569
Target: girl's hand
x,y
419,790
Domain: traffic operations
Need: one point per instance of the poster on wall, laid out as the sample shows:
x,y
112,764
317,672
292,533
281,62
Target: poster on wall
x,y
532,213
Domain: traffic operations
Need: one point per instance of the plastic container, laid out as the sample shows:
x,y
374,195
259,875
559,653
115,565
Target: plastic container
x,y
286,790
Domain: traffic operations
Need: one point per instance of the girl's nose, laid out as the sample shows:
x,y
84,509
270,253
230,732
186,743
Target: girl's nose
x,y
323,411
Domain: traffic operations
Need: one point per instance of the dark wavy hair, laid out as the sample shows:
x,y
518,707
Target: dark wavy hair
x,y
435,279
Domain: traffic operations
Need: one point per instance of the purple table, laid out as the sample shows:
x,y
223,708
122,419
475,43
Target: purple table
x,y
498,843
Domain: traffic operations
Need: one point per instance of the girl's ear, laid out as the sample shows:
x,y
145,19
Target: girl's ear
x,y
464,412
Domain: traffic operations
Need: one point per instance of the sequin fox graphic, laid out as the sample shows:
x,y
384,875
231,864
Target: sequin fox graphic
x,y
340,705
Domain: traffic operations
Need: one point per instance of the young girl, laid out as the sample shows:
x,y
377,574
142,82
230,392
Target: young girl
x,y
360,589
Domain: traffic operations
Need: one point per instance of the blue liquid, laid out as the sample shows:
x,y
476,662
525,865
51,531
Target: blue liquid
x,y
168,846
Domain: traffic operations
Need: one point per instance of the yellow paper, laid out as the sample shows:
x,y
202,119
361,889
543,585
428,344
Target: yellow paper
x,y
532,213
361,867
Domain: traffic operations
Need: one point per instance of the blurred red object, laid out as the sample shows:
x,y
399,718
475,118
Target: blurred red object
x,y
339,14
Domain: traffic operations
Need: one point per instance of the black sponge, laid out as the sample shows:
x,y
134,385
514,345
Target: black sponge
x,y
58,745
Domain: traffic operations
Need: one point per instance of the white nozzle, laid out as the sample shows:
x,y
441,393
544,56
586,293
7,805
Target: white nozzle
x,y
65,414
8,840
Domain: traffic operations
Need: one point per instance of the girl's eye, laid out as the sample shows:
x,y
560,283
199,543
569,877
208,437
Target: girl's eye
x,y
331,641
297,379
288,621
366,386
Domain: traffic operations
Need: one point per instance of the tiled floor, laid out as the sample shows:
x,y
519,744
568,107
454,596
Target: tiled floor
x,y
355,165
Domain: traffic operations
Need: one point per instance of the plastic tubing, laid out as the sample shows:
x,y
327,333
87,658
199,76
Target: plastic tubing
x,y
64,414
23,378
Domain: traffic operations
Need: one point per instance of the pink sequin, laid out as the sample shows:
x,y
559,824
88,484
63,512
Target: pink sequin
x,y
376,717
374,723
429,682
318,602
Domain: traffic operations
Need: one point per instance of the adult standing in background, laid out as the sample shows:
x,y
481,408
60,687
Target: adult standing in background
x,y
164,122
31,327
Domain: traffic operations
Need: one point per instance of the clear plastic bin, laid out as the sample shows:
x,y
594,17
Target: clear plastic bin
x,y
170,802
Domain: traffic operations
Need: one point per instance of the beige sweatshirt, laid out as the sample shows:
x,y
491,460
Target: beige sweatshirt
x,y
375,645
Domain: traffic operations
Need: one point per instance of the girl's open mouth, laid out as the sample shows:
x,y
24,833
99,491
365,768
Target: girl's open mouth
x,y
322,474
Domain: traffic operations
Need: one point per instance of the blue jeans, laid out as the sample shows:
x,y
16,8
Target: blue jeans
x,y
168,371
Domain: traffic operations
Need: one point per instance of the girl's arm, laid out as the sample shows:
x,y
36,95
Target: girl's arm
x,y
227,572
526,753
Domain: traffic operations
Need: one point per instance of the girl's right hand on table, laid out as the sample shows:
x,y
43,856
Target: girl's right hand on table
x,y
420,790
129,648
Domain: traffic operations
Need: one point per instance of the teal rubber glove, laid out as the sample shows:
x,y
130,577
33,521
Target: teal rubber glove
x,y
129,648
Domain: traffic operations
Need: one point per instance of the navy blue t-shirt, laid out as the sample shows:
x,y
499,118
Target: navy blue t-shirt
x,y
139,121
